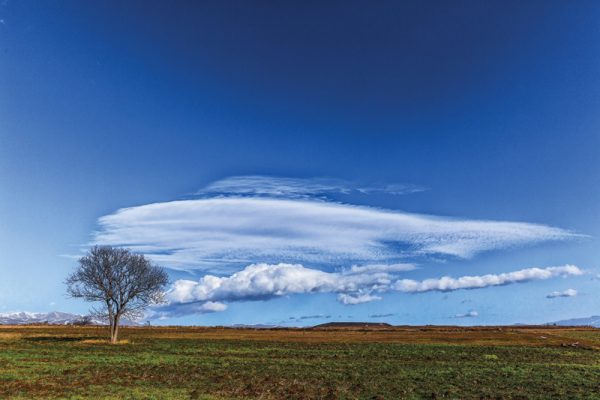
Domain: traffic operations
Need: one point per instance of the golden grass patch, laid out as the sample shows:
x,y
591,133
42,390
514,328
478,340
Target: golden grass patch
x,y
10,336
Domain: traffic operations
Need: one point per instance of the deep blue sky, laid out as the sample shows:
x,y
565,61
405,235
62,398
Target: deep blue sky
x,y
492,106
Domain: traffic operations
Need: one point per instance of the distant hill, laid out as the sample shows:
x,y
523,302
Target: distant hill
x,y
353,325
54,317
588,321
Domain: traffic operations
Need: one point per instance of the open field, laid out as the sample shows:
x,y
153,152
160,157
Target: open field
x,y
346,363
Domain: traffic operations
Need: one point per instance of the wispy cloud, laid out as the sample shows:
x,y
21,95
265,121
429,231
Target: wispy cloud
x,y
317,316
261,185
470,314
265,281
565,293
222,234
361,269
381,315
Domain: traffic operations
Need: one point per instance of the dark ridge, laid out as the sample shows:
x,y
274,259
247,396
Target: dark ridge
x,y
353,325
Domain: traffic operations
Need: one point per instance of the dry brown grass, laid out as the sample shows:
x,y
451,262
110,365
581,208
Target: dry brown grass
x,y
493,335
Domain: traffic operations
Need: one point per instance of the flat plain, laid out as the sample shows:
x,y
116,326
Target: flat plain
x,y
76,362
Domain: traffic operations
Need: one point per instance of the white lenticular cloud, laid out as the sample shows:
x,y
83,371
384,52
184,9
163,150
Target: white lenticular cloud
x,y
212,234
447,283
566,293
265,281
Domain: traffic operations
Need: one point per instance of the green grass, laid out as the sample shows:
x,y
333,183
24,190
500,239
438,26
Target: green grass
x,y
58,366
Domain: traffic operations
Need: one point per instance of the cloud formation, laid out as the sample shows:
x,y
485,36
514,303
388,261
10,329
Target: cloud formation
x,y
265,281
565,293
252,236
470,314
224,233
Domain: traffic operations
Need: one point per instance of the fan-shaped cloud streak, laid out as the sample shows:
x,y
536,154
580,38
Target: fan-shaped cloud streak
x,y
265,281
215,233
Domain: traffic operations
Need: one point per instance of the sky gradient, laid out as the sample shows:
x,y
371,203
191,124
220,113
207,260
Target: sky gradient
x,y
294,142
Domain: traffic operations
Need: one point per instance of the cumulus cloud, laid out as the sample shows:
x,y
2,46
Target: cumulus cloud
x,y
447,283
566,293
222,234
265,281
470,314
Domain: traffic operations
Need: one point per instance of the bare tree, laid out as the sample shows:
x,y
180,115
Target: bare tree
x,y
124,283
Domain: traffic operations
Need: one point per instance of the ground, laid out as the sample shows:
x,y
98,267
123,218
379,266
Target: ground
x,y
45,362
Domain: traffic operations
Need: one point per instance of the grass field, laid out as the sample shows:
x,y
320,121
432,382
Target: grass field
x,y
343,363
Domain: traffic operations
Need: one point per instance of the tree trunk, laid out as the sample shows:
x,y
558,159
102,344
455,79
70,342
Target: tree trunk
x,y
111,323
111,320
114,330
